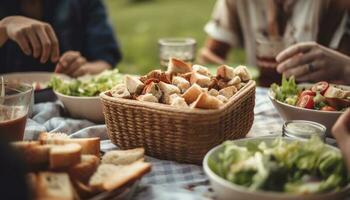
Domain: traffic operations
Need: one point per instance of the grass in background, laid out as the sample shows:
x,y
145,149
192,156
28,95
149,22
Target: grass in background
x,y
140,25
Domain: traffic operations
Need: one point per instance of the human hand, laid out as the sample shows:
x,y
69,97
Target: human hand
x,y
341,132
33,37
309,61
71,63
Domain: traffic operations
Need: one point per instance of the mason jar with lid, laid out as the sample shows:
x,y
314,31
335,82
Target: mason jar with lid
x,y
302,129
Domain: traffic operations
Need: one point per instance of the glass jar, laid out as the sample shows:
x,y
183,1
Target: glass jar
x,y
302,129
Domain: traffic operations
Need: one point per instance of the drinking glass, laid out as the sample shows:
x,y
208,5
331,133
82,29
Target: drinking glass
x,y
266,51
14,108
180,48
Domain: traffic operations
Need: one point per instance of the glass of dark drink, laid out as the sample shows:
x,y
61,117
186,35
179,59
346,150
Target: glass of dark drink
x,y
14,108
180,48
266,51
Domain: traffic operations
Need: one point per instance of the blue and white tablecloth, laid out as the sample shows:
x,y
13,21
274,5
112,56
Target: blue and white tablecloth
x,y
168,179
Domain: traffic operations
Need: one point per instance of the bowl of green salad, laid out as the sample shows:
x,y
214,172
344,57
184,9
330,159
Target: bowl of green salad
x,y
270,168
320,102
80,97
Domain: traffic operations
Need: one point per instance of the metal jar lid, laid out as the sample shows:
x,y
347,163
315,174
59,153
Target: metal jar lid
x,y
303,129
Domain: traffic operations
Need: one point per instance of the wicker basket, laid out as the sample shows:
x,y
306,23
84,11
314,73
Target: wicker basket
x,y
177,134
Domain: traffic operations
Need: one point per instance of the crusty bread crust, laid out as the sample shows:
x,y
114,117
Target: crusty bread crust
x,y
126,175
176,66
85,169
88,145
192,93
206,101
64,156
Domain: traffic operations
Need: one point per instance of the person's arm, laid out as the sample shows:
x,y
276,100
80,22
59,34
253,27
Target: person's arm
x,y
341,132
309,61
223,32
34,37
101,50
3,34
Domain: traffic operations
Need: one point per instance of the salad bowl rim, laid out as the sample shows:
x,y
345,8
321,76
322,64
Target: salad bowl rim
x,y
76,97
234,187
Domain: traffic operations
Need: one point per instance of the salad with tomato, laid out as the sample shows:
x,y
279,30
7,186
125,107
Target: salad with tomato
x,y
321,96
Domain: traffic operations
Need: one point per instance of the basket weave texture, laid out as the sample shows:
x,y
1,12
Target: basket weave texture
x,y
183,135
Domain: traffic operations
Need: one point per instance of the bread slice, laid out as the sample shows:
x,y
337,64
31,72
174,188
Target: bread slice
x,y
228,92
243,73
192,93
235,81
181,83
201,69
109,177
64,156
83,171
205,101
133,84
88,145
147,97
225,72
52,138
84,191
54,186
177,66
35,155
213,92
201,80
120,91
153,88
123,157
178,101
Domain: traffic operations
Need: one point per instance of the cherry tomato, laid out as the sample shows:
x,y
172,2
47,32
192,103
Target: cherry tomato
x,y
306,101
320,87
328,108
307,92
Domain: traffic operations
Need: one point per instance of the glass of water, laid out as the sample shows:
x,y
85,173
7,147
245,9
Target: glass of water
x,y
180,48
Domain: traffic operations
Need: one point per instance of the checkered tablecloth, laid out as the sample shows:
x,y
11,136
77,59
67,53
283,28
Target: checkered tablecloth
x,y
168,179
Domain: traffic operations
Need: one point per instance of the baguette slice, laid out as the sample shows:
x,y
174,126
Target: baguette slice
x,y
243,73
84,191
109,177
225,72
206,101
201,69
64,156
192,93
203,81
228,92
181,83
177,66
35,155
123,157
133,84
147,97
55,186
178,101
85,169
88,145
120,91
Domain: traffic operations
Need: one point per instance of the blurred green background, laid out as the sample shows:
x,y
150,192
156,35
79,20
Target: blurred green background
x,y
140,23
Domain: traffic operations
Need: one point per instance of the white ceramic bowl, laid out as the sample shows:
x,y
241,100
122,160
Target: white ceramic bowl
x,y
89,108
289,112
225,190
